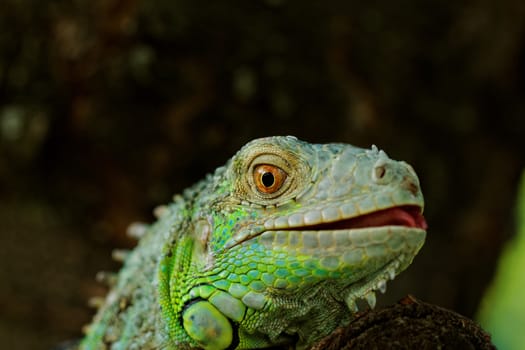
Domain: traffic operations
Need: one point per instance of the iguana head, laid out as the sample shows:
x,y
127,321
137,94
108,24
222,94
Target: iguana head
x,y
288,235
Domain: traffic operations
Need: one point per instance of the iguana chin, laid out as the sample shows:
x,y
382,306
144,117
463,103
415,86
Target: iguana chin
x,y
272,249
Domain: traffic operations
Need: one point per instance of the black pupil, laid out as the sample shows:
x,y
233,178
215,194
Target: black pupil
x,y
267,179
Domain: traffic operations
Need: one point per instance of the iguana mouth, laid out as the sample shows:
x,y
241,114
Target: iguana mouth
x,y
407,216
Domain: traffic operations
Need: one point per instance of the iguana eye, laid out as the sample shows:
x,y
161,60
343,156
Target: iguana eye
x,y
268,178
270,174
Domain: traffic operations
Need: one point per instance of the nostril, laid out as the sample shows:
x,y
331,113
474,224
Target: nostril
x,y
379,172
382,170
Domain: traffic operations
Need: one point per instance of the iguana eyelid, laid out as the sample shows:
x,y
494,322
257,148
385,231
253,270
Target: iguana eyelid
x,y
294,172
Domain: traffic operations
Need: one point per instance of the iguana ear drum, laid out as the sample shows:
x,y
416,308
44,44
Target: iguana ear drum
x,y
208,326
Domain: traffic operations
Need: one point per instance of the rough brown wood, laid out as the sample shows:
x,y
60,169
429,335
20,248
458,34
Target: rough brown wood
x,y
409,324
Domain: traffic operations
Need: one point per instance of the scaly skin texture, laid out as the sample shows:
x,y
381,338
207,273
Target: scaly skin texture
x,y
272,249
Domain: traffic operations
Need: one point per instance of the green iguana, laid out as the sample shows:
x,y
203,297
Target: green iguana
x,y
273,249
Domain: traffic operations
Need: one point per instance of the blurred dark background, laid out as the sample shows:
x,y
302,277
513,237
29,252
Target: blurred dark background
x,y
109,107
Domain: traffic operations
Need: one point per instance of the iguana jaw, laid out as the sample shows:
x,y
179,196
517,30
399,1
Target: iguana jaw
x,y
394,236
366,287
